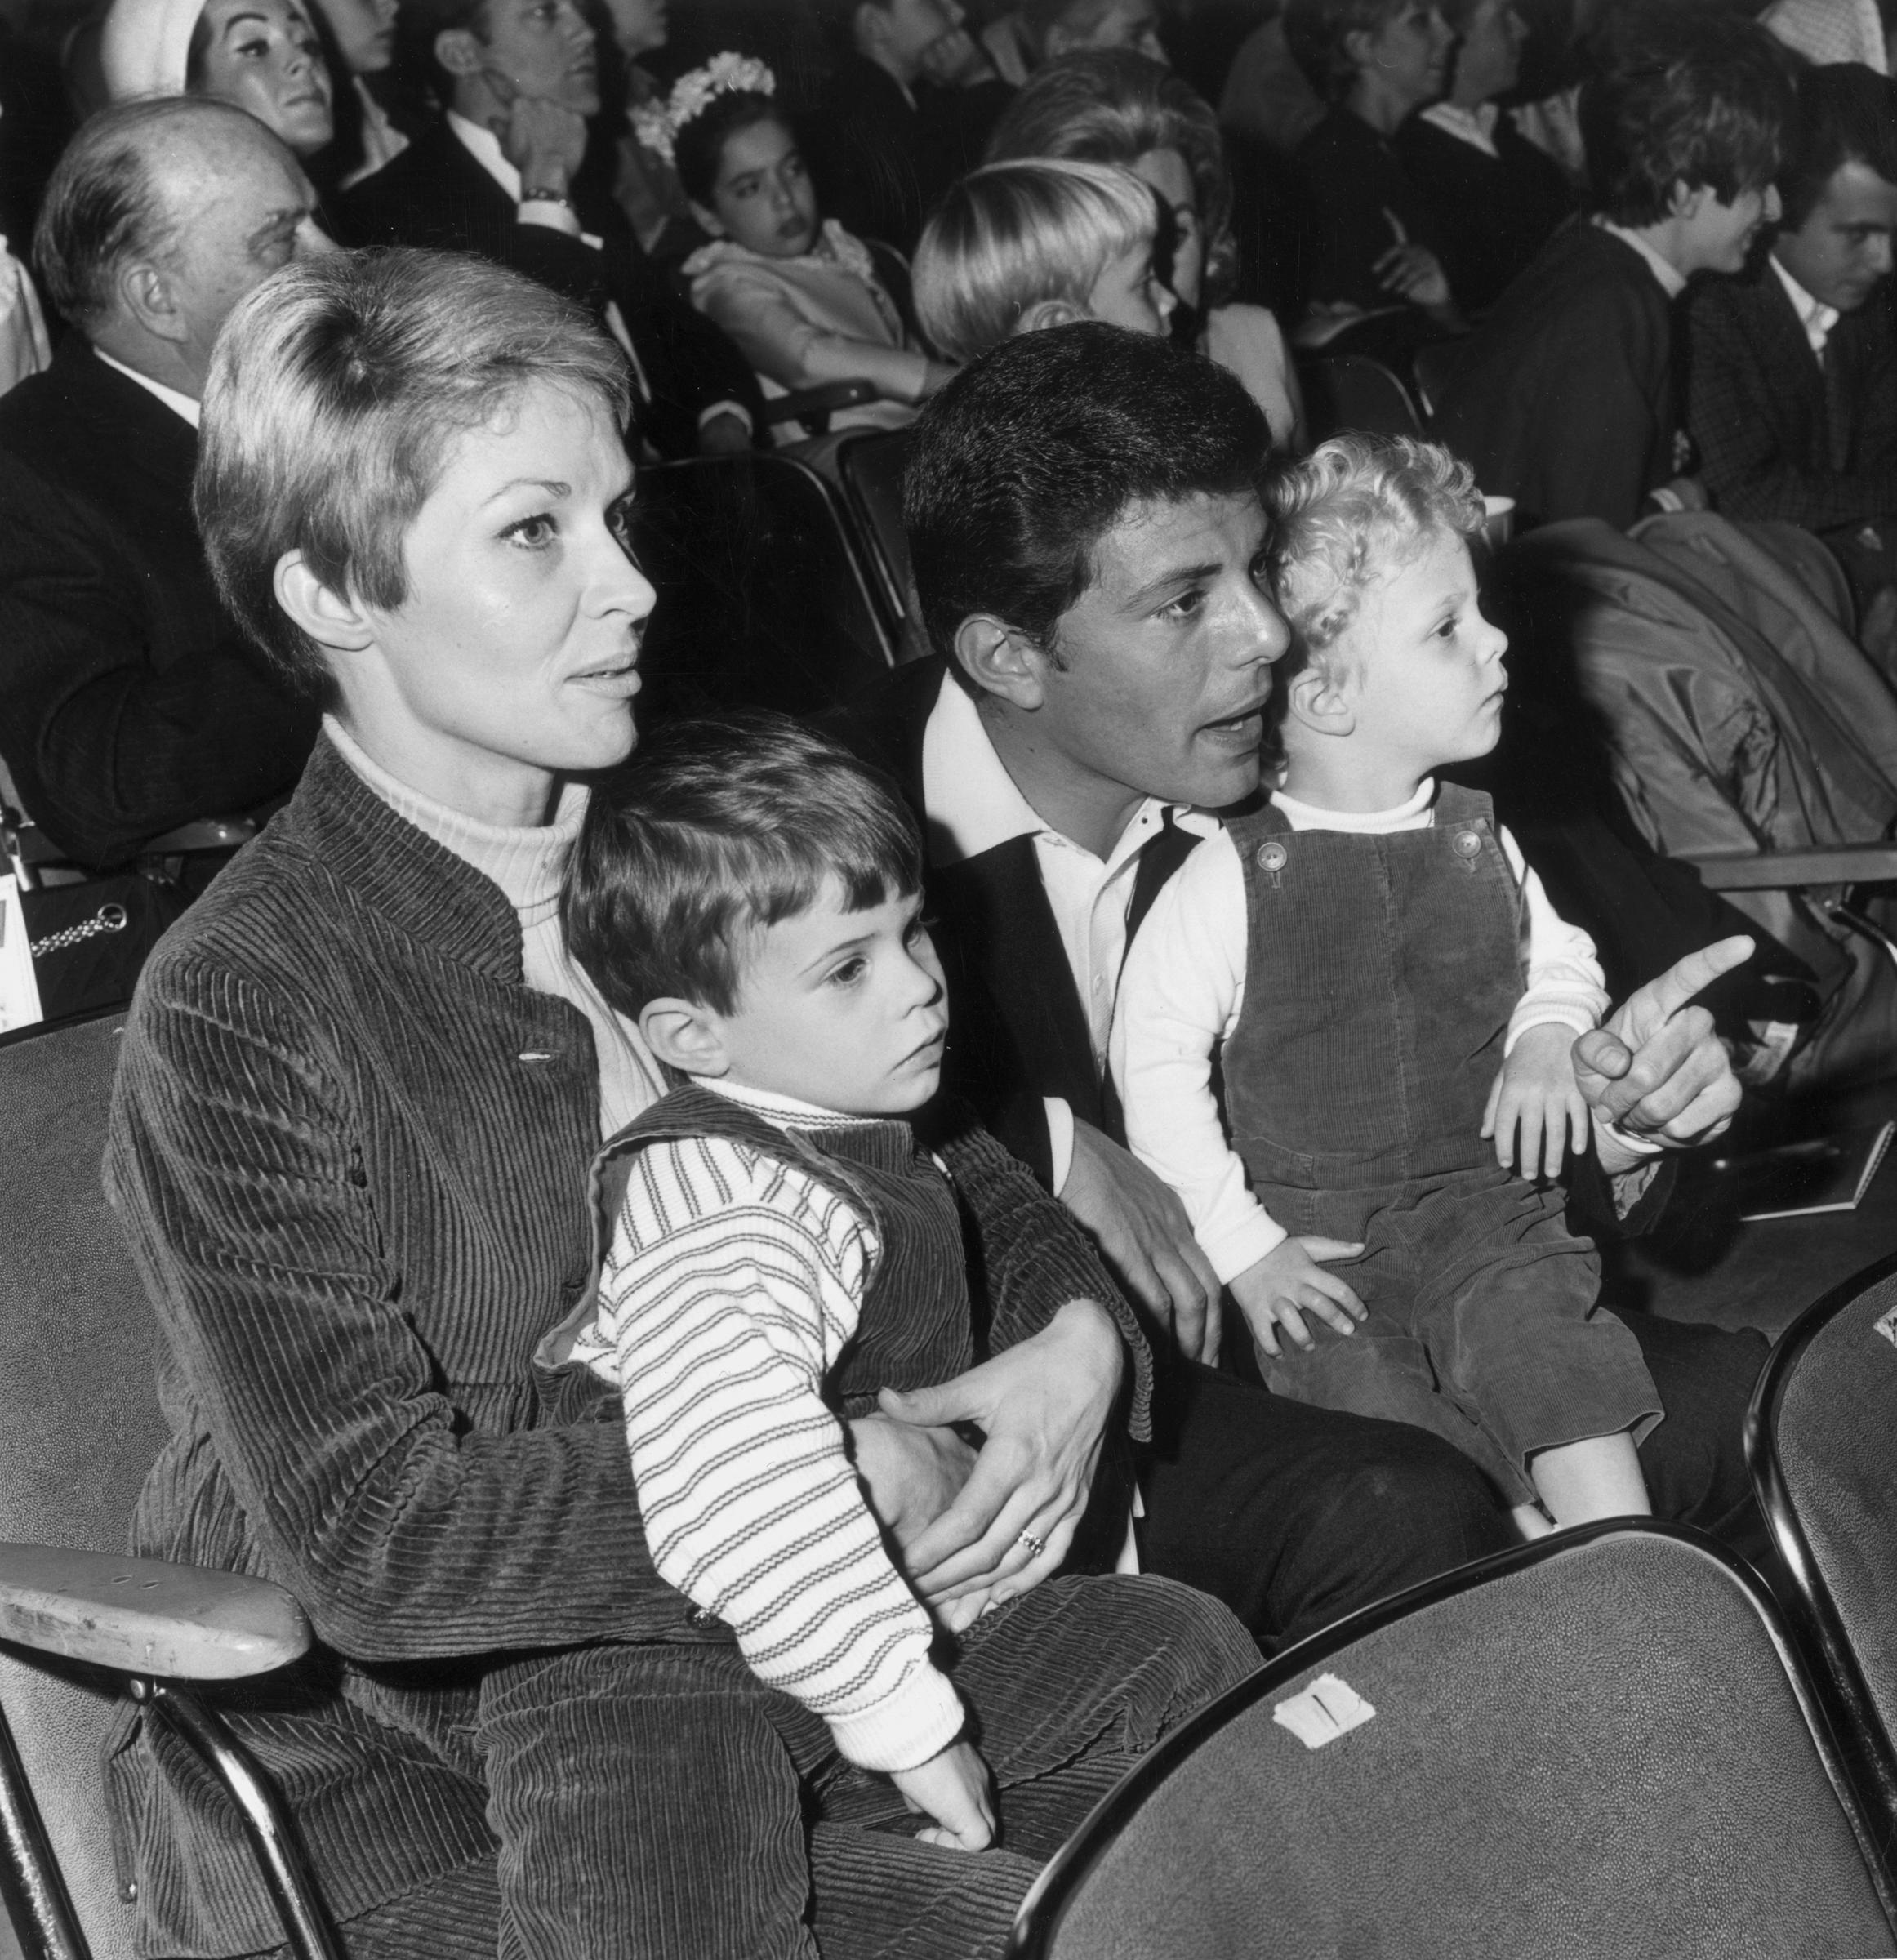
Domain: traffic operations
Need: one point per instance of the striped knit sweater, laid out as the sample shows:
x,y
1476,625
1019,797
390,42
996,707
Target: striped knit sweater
x,y
735,1283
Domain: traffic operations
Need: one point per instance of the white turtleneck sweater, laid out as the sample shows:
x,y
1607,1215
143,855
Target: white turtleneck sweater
x,y
528,863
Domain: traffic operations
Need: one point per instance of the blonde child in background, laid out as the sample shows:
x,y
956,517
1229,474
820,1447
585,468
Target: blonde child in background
x,y
1394,1004
797,292
1018,246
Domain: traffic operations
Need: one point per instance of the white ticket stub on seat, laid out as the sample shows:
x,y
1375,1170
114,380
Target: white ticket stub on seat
x,y
19,1003
1329,1708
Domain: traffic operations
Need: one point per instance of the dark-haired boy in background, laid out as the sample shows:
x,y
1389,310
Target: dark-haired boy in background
x,y
1791,396
1564,398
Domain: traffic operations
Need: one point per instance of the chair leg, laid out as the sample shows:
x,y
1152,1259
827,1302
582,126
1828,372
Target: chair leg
x,y
35,1894
264,1822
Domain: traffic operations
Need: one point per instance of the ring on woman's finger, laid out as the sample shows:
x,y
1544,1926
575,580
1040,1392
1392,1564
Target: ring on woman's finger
x,y
1035,1545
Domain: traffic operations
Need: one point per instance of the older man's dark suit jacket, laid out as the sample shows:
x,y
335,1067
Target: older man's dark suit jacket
x,y
436,194
1779,434
1018,1032
129,701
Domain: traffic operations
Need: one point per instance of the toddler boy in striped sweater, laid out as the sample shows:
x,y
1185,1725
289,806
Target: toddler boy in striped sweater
x,y
787,1250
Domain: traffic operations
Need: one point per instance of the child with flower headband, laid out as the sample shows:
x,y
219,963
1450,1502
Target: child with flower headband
x,y
800,296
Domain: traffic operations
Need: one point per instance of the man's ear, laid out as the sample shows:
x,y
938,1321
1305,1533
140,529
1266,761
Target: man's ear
x,y
1001,660
1047,312
1321,702
146,296
1686,201
459,50
686,1035
331,618
1357,47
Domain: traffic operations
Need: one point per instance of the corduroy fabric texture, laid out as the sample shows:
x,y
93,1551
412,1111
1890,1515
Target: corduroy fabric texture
x,y
349,1151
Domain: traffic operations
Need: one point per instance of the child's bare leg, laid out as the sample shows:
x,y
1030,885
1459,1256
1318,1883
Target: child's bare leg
x,y
1530,1520
1598,1476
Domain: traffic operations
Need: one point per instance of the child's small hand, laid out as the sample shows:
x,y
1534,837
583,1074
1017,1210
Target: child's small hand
x,y
1536,1092
1287,1283
952,1787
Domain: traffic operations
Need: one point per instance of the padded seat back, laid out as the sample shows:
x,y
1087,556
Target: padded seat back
x,y
1351,391
1595,1746
764,599
79,1419
1823,1441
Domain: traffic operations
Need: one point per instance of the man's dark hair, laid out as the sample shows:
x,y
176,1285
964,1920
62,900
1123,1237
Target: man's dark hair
x,y
1847,113
1680,94
1317,32
715,828
1027,458
103,205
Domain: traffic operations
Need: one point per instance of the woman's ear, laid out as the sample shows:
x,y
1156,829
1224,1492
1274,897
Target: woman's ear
x,y
1048,313
1321,701
686,1035
709,220
1001,660
331,618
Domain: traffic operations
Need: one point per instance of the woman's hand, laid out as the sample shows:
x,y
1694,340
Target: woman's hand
x,y
1043,1407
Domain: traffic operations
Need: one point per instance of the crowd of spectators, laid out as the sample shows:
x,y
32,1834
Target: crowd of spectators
x,y
334,338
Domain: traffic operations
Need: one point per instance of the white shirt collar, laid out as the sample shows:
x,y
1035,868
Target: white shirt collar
x,y
1475,126
1672,281
1813,315
179,404
484,147
974,805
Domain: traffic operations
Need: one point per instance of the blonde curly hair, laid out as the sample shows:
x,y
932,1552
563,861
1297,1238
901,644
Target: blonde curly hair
x,y
1355,510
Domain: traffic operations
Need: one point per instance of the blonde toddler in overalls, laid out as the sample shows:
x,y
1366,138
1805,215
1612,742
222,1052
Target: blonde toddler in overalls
x,y
1392,1003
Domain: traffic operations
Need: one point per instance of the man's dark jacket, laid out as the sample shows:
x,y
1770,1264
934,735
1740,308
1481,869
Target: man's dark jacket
x,y
436,194
1018,1032
1779,434
129,701
1563,398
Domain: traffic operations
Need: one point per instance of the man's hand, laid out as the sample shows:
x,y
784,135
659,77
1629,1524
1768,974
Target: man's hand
x,y
1042,1406
1656,1068
1535,1092
1145,1237
953,1789
1288,1282
544,141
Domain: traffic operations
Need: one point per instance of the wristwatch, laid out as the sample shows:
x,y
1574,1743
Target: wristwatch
x,y
545,197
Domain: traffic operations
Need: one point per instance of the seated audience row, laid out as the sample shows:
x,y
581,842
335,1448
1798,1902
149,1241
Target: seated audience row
x,y
512,1692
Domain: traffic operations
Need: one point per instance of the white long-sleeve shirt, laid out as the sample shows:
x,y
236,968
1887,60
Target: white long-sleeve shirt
x,y
1184,987
733,1284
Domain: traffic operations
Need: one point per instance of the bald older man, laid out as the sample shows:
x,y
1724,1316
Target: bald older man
x,y
129,702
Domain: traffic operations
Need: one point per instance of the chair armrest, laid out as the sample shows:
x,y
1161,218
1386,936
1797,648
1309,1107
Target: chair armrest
x,y
817,405
143,1616
1786,871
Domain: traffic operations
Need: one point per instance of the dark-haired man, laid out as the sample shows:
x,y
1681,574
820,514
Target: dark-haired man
x,y
1793,382
129,702
500,175
1564,398
1088,544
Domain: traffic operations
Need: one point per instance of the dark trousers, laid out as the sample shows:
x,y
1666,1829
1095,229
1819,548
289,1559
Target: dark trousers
x,y
1295,1516
661,1803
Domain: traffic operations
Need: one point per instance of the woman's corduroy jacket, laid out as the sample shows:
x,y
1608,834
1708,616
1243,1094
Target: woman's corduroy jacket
x,y
349,1150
